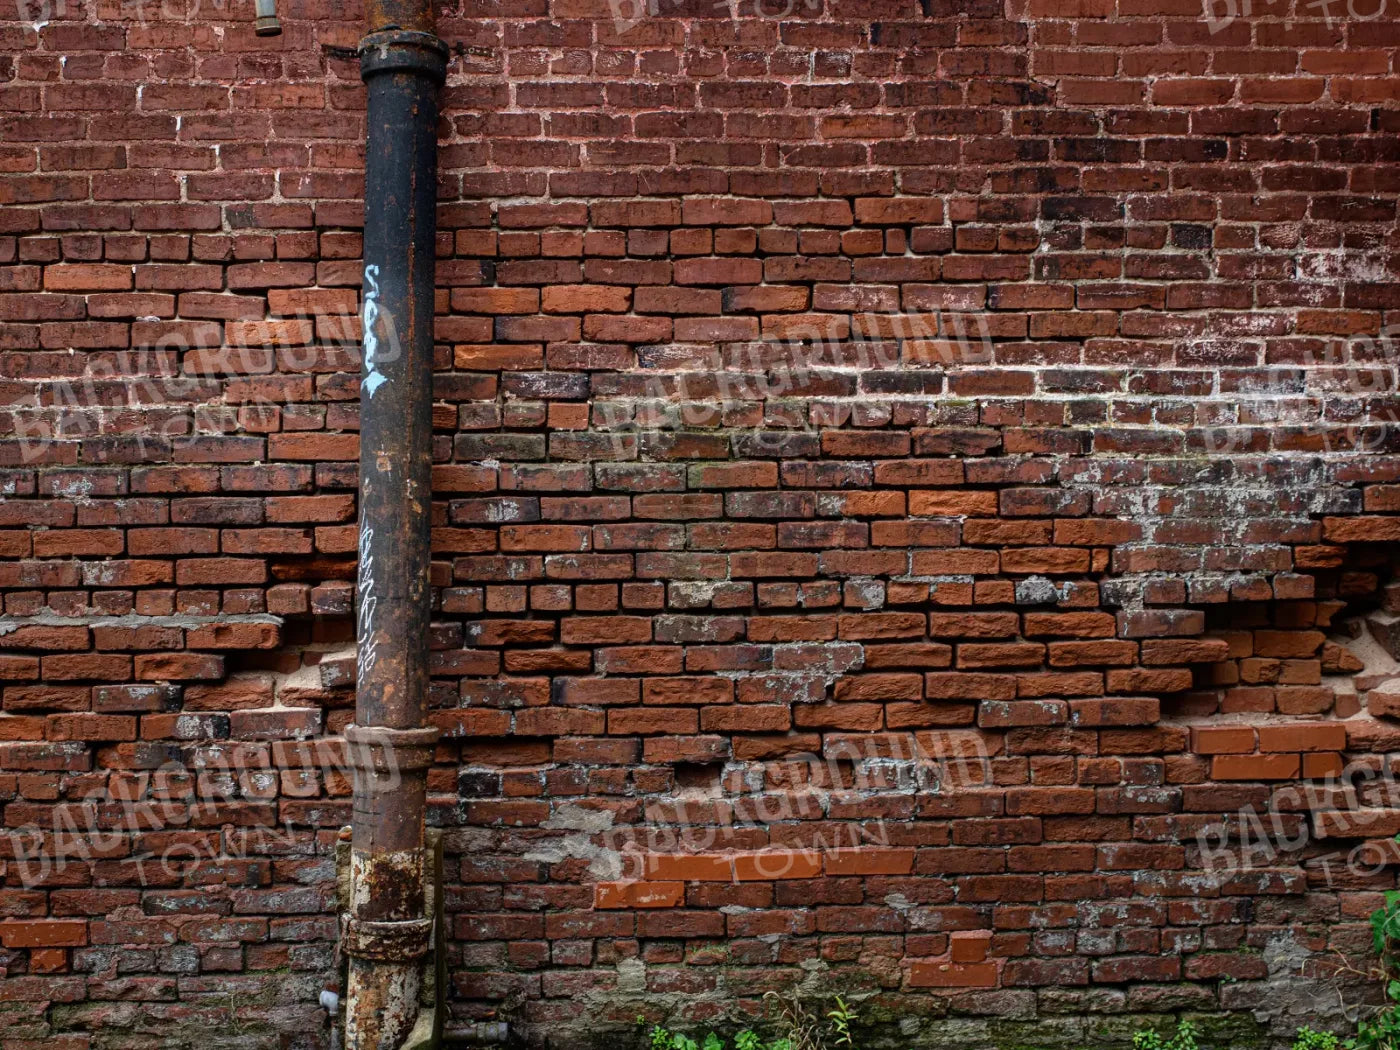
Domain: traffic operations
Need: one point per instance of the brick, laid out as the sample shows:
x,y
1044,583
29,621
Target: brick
x,y
87,277
774,864
726,211
869,861
43,933
1303,737
298,332
888,211
233,636
1255,767
585,298
953,975
706,867
639,894
1222,740
174,667
45,637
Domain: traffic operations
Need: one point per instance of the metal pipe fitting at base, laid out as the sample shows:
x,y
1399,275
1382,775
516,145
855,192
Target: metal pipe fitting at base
x,y
386,886
385,955
382,1003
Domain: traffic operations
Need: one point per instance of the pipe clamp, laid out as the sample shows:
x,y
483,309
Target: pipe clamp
x,y
403,51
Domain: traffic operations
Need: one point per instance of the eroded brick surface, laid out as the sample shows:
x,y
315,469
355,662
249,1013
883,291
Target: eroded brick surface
x,y
913,485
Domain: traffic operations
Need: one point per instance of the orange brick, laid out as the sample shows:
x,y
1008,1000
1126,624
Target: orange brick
x,y
689,867
1255,767
969,946
777,864
869,860
1322,764
47,960
1304,736
609,895
44,933
1222,740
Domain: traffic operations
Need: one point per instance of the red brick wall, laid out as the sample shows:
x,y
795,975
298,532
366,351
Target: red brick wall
x,y
898,468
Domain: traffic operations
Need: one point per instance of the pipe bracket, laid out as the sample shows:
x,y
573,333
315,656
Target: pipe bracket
x,y
403,941
379,749
403,51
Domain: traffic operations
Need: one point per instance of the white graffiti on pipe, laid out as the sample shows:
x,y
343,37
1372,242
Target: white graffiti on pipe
x,y
365,658
374,378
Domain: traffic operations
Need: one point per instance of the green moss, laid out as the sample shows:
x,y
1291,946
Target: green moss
x,y
1046,1033
1236,1031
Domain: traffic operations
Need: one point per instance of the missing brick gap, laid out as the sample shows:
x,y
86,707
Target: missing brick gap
x,y
1303,688
699,779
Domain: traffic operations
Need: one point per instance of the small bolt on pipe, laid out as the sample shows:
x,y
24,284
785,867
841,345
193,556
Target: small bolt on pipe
x,y
386,933
266,23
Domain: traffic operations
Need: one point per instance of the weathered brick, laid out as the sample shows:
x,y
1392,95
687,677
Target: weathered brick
x,y
826,409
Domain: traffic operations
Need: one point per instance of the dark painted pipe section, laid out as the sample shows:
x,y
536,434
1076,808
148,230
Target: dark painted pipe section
x,y
386,934
396,377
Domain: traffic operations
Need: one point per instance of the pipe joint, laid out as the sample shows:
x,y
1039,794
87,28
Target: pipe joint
x,y
404,51
379,749
399,942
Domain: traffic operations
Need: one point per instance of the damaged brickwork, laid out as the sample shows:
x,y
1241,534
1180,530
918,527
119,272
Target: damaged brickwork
x,y
915,512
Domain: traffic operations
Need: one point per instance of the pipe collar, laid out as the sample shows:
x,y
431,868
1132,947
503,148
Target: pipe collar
x,y
384,750
403,51
402,941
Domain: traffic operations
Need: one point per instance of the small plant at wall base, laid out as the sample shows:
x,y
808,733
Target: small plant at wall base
x,y
1184,1038
1380,1031
841,1018
1307,1039
661,1038
797,1028
800,1030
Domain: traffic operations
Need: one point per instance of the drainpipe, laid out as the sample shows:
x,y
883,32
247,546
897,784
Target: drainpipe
x,y
386,932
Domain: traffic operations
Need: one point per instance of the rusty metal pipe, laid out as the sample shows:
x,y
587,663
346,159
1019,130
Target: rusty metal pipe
x,y
385,933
